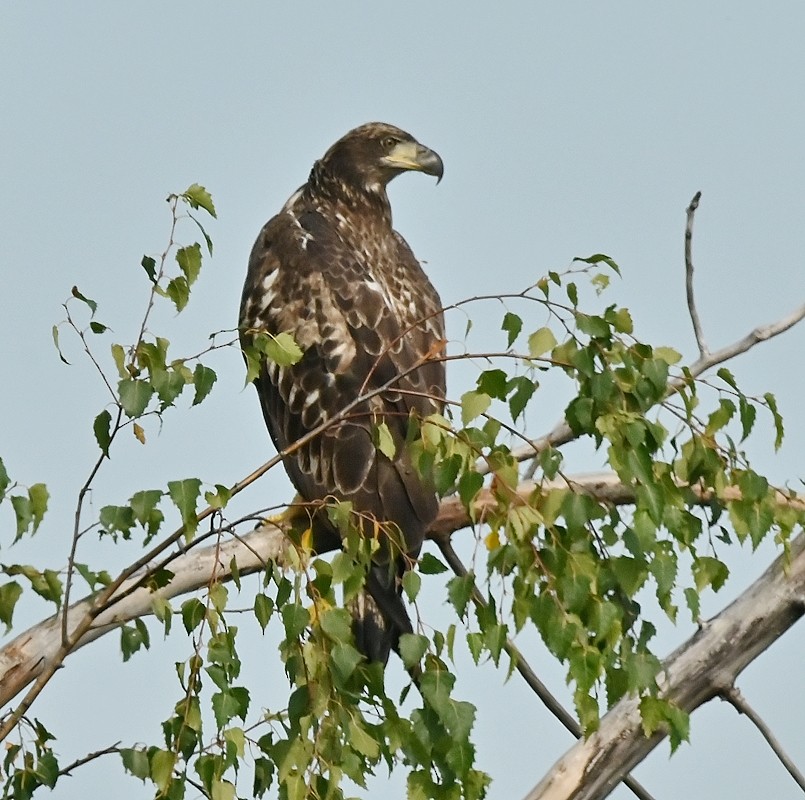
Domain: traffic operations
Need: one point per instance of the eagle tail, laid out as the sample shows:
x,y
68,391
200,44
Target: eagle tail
x,y
379,614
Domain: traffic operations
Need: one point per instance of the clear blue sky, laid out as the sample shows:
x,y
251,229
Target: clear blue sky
x,y
565,130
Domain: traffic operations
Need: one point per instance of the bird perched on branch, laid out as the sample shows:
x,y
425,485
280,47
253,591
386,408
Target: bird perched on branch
x,y
331,270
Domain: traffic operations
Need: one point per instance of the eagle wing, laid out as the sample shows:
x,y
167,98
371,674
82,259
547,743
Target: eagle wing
x,y
364,319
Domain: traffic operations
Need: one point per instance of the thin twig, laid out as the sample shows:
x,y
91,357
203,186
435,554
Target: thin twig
x,y
525,670
114,748
694,314
734,697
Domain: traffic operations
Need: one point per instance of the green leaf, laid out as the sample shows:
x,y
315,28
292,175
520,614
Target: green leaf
x,y
708,571
336,623
5,481
692,599
234,702
178,290
656,713
55,334
727,377
667,354
161,763
133,637
189,261
599,258
541,342
469,484
117,519
46,584
361,741
199,197
383,440
22,511
93,306
512,324
185,494
38,496
430,565
295,618
9,594
411,584
473,404
493,382
93,579
413,647
149,265
282,349
144,507
524,388
771,402
119,357
621,320
344,659
595,327
203,380
721,416
134,396
263,609
168,384
102,427
135,761
97,327
748,413
219,498
459,591
193,612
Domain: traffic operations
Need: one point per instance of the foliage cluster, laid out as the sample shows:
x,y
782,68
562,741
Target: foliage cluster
x,y
575,566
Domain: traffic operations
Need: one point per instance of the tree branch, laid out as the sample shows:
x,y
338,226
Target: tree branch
x,y
701,669
734,697
694,314
25,658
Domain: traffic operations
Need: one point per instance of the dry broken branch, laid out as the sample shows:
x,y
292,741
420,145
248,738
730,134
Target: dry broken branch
x,y
694,314
734,697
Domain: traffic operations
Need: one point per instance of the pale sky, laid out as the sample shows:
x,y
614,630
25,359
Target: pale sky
x,y
565,130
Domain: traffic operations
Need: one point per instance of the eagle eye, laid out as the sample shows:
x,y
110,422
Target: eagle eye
x,y
389,142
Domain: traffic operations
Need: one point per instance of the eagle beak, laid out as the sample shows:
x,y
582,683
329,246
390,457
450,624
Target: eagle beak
x,y
412,155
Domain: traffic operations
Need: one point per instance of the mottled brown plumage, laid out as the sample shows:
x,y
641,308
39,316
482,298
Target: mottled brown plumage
x,y
331,270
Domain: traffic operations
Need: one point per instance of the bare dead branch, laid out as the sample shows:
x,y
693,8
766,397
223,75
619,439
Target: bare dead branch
x,y
525,670
760,334
694,314
735,698
701,669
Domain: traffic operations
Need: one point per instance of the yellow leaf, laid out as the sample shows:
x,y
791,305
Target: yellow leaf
x,y
307,540
492,540
139,433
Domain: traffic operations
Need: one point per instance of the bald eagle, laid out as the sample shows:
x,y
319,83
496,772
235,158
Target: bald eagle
x,y
331,270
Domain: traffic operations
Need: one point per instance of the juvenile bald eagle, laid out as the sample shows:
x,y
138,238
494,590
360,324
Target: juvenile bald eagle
x,y
331,270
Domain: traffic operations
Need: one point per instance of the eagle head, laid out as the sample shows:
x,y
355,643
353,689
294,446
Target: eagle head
x,y
369,156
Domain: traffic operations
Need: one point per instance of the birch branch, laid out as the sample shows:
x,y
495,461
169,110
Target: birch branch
x,y
26,657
